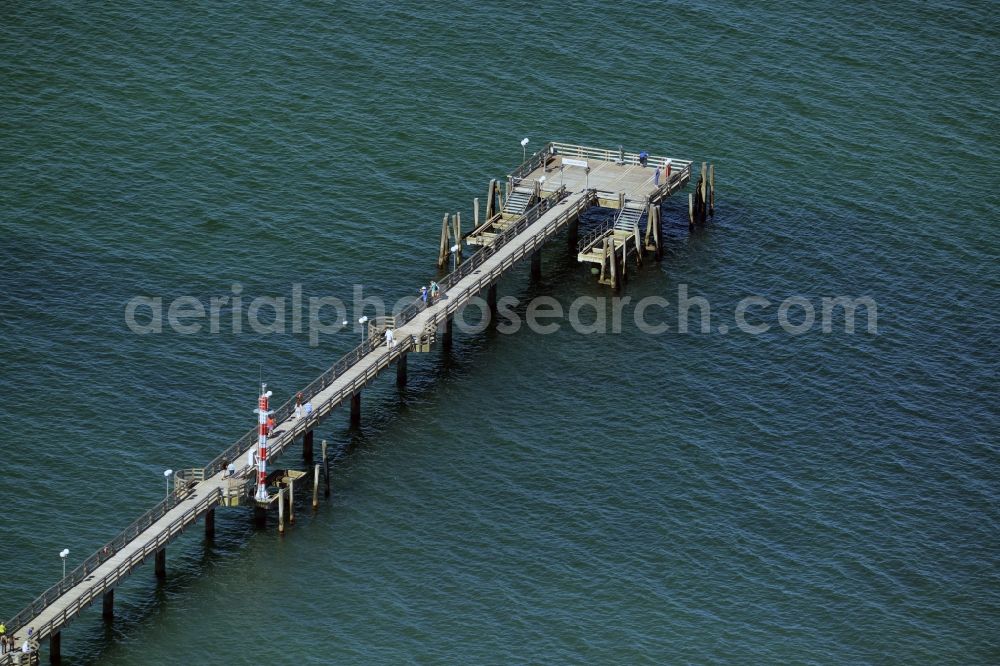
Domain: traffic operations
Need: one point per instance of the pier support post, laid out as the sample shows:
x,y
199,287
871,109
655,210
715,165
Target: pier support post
x,y
326,471
657,229
475,213
356,410
291,501
55,648
491,303
316,487
704,193
446,334
615,283
108,605
401,370
536,265
259,515
690,210
573,234
281,511
307,446
210,524
160,565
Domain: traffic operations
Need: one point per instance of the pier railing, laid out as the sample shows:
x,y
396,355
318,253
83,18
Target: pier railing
x,y
111,579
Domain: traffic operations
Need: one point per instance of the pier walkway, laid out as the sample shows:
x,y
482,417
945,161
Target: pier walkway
x,y
197,492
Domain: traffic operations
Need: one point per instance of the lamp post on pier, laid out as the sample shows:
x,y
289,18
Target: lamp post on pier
x,y
524,149
63,554
363,321
166,477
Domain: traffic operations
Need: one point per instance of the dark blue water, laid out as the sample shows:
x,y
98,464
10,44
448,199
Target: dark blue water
x,y
619,498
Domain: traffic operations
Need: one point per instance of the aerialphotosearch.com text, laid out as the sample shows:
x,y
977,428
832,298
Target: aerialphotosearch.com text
x,y
319,316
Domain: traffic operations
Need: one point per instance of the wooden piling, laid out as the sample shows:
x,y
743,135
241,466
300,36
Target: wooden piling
x,y
108,605
160,563
458,238
444,247
210,524
356,410
536,265
281,511
690,210
475,213
401,370
656,236
491,202
291,501
604,262
638,245
614,263
326,471
316,487
711,190
55,650
491,302
446,334
307,446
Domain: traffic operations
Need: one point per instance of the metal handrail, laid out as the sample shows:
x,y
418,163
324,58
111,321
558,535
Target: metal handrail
x,y
111,579
592,236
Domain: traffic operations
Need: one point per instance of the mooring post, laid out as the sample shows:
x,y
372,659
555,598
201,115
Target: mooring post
x,y
108,605
55,649
656,236
458,239
356,410
401,370
690,210
326,471
536,265
443,249
638,246
711,190
604,262
491,202
210,524
614,263
475,213
281,511
316,487
291,501
704,193
160,563
307,446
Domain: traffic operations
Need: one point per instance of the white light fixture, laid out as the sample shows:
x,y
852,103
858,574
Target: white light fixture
x,y
64,553
166,477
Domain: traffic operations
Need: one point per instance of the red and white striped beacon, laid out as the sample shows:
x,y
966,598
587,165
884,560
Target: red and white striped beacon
x,y
262,413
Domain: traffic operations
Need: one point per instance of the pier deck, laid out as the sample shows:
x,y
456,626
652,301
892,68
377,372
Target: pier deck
x,y
546,194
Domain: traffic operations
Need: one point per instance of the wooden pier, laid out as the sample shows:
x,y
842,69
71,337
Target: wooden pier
x,y
543,197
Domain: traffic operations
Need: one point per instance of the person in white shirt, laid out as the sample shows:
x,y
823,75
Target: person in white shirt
x,y
390,342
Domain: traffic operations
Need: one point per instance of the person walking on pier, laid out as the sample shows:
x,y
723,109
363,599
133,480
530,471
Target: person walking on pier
x,y
298,405
390,342
423,295
656,177
434,291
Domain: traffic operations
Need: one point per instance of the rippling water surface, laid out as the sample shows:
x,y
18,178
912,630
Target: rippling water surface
x,y
622,498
